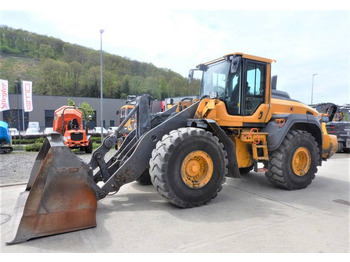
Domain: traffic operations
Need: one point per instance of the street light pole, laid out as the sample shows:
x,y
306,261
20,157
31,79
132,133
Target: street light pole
x,y
312,88
101,32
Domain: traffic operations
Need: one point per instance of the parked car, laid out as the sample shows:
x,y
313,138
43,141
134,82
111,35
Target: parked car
x,y
112,129
97,130
32,131
34,125
48,130
13,131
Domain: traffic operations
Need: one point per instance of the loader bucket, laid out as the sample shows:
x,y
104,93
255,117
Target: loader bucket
x,y
59,196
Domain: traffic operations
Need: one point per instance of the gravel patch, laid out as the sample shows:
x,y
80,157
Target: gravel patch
x,y
16,167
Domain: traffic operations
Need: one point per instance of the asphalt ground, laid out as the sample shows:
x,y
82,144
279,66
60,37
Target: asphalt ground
x,y
248,216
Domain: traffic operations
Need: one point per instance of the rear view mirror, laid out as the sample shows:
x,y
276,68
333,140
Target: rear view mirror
x,y
235,63
190,75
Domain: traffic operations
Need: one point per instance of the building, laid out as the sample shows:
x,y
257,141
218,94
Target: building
x,y
45,106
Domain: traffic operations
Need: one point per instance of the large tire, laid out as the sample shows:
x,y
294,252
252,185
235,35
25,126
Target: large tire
x,y
293,165
188,167
88,149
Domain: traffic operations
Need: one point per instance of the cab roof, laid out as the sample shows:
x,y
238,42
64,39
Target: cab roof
x,y
257,58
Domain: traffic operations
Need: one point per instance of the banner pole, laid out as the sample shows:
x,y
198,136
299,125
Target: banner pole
x,y
24,128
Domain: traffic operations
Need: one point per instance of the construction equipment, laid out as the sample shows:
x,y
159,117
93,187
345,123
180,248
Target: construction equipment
x,y
155,107
68,121
172,101
5,138
131,123
336,122
188,150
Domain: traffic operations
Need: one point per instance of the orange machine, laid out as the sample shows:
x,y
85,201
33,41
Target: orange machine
x,y
68,121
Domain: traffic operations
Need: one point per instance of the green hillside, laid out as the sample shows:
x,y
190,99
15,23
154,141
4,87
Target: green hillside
x,y
60,68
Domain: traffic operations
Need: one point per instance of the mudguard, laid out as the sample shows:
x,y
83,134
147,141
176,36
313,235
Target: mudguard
x,y
279,126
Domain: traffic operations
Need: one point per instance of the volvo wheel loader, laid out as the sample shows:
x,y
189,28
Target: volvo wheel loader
x,y
239,121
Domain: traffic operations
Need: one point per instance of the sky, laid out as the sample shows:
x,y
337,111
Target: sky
x,y
304,39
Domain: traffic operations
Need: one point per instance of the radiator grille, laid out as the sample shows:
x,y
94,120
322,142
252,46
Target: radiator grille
x,y
77,136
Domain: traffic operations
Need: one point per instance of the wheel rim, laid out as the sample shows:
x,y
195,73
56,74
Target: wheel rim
x,y
197,169
301,161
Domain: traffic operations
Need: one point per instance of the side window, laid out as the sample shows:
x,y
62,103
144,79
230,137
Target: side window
x,y
234,93
122,114
254,86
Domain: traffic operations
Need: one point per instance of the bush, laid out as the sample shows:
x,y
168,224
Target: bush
x,y
24,141
8,50
40,140
96,145
96,139
33,147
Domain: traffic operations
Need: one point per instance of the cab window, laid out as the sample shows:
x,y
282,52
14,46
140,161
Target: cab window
x,y
254,86
234,94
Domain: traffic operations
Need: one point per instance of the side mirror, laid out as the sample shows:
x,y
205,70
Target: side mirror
x,y
274,82
117,113
235,63
190,75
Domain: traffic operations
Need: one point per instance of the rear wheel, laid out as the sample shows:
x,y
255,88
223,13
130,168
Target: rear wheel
x,y
294,164
188,167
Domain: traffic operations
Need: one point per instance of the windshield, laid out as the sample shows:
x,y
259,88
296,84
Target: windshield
x,y
215,78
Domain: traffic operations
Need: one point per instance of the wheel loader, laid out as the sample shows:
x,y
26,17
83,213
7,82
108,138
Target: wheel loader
x,y
130,124
187,151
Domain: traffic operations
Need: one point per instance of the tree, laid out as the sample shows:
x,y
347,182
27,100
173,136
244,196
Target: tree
x,y
46,51
76,71
60,68
88,111
54,80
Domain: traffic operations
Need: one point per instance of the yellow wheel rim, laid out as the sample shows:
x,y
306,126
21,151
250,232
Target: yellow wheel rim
x,y
301,161
197,169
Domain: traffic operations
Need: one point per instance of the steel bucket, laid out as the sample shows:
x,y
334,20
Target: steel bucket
x,y
58,198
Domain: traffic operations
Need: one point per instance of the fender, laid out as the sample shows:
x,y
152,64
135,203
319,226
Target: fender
x,y
277,131
212,126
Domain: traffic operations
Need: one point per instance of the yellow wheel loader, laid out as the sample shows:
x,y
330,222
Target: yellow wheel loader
x,y
239,121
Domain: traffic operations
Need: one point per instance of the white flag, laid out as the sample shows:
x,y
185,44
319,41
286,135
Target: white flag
x,y
27,96
4,95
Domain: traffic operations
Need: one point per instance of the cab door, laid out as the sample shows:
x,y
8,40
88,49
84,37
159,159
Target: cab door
x,y
255,104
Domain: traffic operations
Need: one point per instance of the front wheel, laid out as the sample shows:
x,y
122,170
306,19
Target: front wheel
x,y
188,166
88,149
293,165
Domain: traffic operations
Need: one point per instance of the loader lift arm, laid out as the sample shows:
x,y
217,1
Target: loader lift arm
x,y
132,159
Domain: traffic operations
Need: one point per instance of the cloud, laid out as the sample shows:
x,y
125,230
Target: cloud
x,y
302,42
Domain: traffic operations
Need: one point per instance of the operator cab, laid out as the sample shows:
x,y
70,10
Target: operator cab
x,y
238,80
